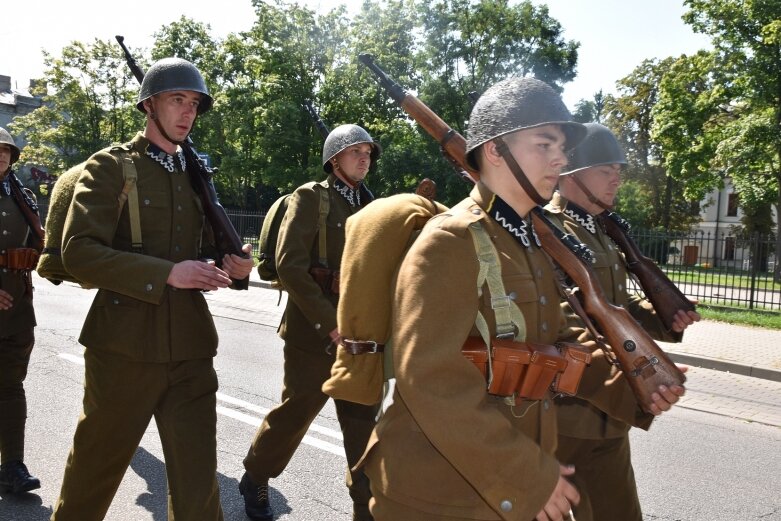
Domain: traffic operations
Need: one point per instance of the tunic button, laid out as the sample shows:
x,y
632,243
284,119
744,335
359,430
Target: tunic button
x,y
179,208
546,404
317,326
544,326
178,227
148,287
177,248
538,273
5,270
513,295
146,202
5,232
338,225
620,287
4,214
116,301
543,300
179,188
506,505
615,267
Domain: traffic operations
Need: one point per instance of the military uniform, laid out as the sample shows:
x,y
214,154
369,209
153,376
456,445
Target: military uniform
x,y
445,449
309,317
16,328
149,346
589,438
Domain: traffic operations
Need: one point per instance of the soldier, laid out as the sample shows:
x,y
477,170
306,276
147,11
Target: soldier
x,y
596,443
309,322
446,449
149,336
17,323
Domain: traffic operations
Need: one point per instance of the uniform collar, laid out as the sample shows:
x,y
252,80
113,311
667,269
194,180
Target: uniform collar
x,y
172,163
575,212
519,228
355,197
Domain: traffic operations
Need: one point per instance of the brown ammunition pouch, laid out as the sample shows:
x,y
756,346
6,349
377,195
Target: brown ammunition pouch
x,y
527,370
326,278
19,259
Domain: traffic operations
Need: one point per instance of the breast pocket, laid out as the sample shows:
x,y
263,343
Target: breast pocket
x,y
523,292
154,207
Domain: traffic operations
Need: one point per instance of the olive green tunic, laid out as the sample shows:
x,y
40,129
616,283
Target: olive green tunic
x,y
445,447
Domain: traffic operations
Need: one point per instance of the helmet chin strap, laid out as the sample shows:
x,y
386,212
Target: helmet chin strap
x,y
520,176
591,197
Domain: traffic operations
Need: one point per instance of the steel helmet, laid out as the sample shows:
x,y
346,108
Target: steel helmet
x,y
6,139
345,136
599,147
516,104
173,74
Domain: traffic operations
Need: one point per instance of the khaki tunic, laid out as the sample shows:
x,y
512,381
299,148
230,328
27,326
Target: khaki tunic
x,y
14,233
445,447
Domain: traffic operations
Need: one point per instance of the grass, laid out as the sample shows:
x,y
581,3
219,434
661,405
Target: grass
x,y
737,279
745,317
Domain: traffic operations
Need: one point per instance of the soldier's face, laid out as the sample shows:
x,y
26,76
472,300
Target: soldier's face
x,y
602,181
352,163
5,159
176,112
540,153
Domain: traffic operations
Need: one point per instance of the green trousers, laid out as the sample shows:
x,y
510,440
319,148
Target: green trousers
x,y
121,396
14,358
604,477
284,427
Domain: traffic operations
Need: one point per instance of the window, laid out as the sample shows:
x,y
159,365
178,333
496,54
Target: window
x,y
732,205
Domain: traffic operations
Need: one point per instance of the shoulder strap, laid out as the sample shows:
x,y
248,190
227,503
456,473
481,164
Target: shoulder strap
x,y
509,319
129,193
325,201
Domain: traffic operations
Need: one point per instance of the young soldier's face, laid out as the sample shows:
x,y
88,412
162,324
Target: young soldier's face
x,y
353,162
540,153
176,112
602,181
5,159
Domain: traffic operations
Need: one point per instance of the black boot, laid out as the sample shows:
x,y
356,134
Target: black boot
x,y
256,503
15,477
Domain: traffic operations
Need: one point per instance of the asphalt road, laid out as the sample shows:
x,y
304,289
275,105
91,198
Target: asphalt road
x,y
694,464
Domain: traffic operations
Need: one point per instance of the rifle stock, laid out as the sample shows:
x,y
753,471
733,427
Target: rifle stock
x,y
665,296
226,237
319,123
644,363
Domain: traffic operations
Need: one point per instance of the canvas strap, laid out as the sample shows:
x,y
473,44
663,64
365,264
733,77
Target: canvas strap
x,y
129,194
322,250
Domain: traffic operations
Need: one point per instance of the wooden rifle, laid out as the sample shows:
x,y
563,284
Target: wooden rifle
x,y
226,237
29,210
643,362
663,294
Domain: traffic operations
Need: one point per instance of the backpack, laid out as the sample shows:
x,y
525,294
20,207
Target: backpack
x,y
50,262
269,233
390,226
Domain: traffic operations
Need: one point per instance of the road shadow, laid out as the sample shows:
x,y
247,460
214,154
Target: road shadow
x,y
155,500
23,507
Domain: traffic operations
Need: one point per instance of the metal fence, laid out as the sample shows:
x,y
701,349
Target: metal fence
x,y
717,269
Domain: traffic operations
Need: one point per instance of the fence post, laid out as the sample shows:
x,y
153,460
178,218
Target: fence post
x,y
753,266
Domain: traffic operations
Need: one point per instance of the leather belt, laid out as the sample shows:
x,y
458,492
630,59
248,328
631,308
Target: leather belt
x,y
362,347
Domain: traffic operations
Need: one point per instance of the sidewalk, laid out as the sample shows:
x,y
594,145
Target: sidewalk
x,y
743,350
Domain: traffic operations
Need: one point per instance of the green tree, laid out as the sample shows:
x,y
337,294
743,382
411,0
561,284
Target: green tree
x,y
88,104
588,111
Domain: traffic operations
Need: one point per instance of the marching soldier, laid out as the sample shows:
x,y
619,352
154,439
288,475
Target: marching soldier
x,y
149,337
446,449
596,443
17,323
310,276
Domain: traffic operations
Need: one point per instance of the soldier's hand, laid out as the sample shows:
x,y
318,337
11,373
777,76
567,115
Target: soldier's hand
x,y
238,267
561,500
6,300
667,396
684,319
193,274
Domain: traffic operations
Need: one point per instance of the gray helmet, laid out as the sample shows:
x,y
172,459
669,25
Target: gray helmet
x,y
516,104
173,74
345,136
599,147
6,139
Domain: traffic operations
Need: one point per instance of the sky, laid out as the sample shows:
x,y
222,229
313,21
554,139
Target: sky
x,y
615,35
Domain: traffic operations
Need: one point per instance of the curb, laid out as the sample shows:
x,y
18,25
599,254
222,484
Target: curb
x,y
716,364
